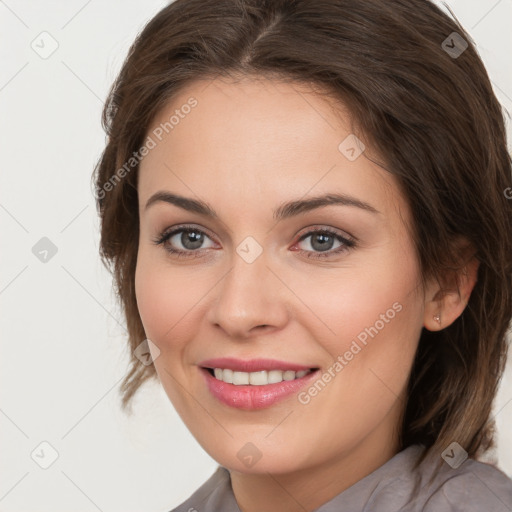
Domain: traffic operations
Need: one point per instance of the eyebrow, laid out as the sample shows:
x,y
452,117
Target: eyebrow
x,y
284,211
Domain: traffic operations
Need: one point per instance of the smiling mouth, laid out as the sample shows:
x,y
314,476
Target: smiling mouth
x,y
259,378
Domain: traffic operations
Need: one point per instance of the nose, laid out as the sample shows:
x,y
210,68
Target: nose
x,y
249,300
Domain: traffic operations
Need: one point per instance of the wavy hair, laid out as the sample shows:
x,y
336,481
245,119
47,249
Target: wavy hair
x,y
431,115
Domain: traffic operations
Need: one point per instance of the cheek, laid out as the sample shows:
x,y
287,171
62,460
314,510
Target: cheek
x,y
376,325
377,298
171,299
379,325
162,297
374,320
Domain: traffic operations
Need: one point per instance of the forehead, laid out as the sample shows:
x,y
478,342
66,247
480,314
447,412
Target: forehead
x,y
252,110
259,138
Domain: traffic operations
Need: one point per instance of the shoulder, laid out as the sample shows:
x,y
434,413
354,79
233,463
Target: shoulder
x,y
473,487
435,486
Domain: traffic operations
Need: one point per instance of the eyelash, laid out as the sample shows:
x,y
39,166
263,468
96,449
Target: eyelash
x,y
347,243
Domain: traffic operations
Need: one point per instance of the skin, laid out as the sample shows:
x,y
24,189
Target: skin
x,y
246,148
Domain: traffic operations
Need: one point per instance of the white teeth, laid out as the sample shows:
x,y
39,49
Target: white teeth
x,y
227,376
275,376
260,378
239,378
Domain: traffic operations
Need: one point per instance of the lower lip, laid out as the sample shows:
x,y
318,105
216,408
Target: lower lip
x,y
254,397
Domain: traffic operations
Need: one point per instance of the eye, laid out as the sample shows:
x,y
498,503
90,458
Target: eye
x,y
183,241
187,241
322,241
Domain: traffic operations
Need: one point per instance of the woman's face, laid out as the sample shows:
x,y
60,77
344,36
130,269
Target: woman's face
x,y
266,273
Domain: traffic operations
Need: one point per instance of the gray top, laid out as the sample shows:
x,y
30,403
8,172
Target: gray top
x,y
394,487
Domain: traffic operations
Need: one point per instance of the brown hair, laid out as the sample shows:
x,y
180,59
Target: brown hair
x,y
431,115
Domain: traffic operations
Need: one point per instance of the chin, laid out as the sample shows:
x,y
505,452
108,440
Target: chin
x,y
252,458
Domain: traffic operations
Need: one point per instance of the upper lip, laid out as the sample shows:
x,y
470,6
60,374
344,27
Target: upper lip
x,y
251,365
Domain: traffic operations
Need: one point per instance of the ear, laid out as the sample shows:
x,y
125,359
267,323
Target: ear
x,y
446,299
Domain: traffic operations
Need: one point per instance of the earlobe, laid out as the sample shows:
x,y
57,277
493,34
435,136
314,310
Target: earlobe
x,y
445,304
434,320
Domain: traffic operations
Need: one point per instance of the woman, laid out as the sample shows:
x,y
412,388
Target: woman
x,y
304,206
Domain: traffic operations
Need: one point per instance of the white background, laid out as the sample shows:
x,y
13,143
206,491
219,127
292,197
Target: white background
x,y
63,345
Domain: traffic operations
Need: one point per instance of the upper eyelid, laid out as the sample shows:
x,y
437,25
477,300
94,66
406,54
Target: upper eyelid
x,y
166,233
332,231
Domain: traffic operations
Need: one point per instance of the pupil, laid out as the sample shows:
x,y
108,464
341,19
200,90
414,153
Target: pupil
x,y
324,241
192,239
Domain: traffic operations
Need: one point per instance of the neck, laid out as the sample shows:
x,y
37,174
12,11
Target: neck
x,y
309,488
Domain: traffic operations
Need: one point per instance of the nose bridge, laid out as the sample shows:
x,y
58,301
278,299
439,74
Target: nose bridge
x,y
249,295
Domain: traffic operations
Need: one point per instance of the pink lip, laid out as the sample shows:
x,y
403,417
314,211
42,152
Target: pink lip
x,y
254,397
252,365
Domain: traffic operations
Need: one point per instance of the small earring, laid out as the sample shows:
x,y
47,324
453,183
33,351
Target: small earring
x,y
437,318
